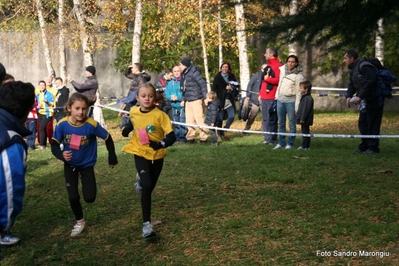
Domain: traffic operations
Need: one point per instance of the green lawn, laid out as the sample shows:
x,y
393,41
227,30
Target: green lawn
x,y
241,203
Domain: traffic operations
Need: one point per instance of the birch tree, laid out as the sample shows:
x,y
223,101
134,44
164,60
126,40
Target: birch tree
x,y
242,44
88,55
292,47
84,36
220,32
46,49
201,24
61,40
137,32
379,41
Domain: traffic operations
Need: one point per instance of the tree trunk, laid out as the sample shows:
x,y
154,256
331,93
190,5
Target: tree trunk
x,y
87,51
292,47
242,45
379,41
47,55
220,33
61,40
138,20
88,56
201,23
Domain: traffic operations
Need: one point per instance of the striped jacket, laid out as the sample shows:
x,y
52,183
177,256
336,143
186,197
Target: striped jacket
x,y
13,167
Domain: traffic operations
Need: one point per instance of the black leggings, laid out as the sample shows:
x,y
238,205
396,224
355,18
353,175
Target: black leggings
x,y
89,187
149,172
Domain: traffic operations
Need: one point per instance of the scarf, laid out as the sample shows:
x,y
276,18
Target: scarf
x,y
225,76
296,70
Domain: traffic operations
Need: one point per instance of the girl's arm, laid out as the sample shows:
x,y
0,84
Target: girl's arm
x,y
56,150
112,159
166,142
127,129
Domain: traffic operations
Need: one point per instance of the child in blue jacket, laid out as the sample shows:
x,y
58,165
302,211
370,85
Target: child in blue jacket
x,y
16,100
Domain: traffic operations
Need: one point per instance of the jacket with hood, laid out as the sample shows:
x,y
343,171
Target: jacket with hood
x,y
13,167
192,84
288,87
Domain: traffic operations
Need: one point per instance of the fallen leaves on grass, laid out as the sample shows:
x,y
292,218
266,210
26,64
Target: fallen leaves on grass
x,y
386,171
300,157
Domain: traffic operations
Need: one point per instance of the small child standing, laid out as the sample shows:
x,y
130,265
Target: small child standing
x,y
78,133
153,133
212,114
305,113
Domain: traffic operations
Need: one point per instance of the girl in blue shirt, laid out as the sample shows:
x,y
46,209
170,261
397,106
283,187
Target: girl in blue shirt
x,y
77,134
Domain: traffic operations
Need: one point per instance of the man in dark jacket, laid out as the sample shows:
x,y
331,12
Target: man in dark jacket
x,y
363,78
89,87
61,98
194,92
253,96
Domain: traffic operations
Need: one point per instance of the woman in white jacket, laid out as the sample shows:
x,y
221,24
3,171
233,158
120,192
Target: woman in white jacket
x,y
288,97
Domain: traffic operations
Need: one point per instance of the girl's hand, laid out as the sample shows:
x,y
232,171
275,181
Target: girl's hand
x,y
228,87
67,155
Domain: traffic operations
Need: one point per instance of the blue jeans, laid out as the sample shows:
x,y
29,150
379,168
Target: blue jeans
x,y
180,131
284,109
31,125
230,119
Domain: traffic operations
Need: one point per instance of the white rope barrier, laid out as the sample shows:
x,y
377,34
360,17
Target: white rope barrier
x,y
270,133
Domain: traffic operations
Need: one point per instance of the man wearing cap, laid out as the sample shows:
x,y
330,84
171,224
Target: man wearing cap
x,y
194,91
89,87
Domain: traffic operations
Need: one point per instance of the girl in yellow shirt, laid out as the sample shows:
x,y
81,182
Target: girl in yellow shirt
x,y
152,133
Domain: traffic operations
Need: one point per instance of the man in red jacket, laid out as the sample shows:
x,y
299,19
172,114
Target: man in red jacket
x,y
267,94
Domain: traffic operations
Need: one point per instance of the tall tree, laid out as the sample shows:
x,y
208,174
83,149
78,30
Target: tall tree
x,y
220,32
379,41
292,47
201,24
242,44
138,20
88,54
348,23
61,40
46,49
84,35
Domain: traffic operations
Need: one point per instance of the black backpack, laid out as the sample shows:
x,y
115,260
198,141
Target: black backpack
x,y
384,80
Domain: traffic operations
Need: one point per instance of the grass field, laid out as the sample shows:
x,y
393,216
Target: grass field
x,y
241,203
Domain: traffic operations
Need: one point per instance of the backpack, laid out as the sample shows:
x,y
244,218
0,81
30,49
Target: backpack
x,y
384,80
245,108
